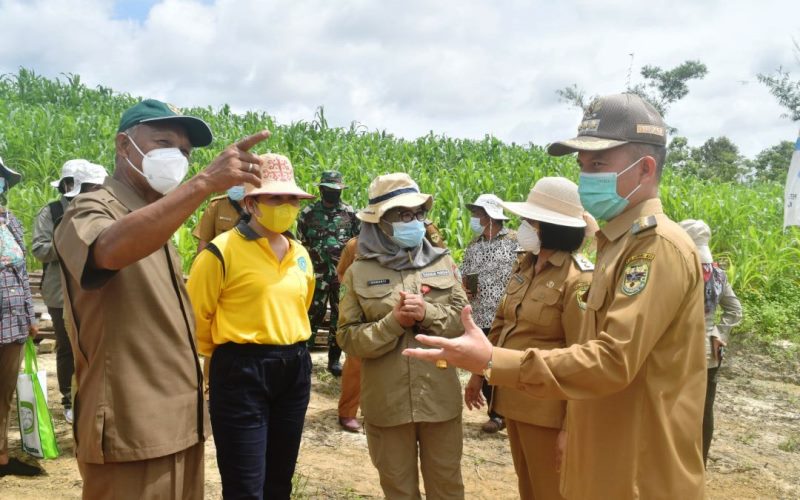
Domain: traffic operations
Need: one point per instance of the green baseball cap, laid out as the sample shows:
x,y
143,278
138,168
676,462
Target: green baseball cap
x,y
153,111
331,179
612,121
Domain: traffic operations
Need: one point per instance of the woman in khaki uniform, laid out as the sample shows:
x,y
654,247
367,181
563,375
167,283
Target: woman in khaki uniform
x,y
401,285
543,307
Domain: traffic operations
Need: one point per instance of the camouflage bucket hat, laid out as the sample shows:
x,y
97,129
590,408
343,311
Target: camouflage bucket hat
x,y
331,179
612,121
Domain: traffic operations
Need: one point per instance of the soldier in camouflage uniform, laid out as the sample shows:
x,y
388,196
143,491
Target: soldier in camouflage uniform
x,y
324,227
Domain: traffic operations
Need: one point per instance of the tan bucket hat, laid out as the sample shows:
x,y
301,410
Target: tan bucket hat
x,y
277,177
389,191
552,199
700,233
612,121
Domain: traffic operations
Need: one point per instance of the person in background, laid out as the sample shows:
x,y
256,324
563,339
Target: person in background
x,y
140,418
17,320
718,293
74,175
542,307
251,289
401,285
487,265
222,214
636,379
324,227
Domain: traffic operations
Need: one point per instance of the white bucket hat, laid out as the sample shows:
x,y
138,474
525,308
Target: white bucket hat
x,y
277,177
701,235
491,204
86,173
389,191
554,200
68,170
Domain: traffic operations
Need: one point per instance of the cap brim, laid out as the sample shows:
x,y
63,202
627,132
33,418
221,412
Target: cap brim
x,y
494,213
56,183
373,214
582,143
704,252
332,185
198,131
529,211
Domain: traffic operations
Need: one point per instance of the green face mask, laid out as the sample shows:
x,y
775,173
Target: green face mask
x,y
599,196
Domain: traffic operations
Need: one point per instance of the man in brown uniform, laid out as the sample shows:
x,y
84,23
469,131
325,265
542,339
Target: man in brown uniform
x,y
636,382
139,410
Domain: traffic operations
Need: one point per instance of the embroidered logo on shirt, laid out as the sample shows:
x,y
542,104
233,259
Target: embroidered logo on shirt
x,y
580,294
342,291
637,270
302,263
429,274
384,281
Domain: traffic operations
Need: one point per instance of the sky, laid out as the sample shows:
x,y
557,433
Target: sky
x,y
460,68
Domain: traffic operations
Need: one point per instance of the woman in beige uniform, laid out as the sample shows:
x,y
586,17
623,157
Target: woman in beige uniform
x,y
543,307
401,285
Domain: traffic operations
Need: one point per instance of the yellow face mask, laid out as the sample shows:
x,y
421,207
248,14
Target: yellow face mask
x,y
277,218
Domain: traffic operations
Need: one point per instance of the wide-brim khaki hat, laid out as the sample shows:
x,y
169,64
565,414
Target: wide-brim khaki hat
x,y
389,191
612,121
700,234
491,204
554,200
277,178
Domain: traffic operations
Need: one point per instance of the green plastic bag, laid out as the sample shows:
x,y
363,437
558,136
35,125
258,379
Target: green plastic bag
x,y
35,422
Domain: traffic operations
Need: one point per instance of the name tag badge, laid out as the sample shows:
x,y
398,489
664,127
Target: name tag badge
x,y
384,281
430,274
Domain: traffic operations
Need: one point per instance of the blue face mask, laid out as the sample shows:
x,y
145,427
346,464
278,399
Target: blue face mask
x,y
599,196
475,225
236,193
408,234
2,184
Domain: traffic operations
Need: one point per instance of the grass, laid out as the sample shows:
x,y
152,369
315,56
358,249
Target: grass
x,y
48,121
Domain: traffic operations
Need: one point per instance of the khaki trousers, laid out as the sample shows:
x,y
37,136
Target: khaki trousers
x,y
533,449
351,387
395,451
172,477
10,357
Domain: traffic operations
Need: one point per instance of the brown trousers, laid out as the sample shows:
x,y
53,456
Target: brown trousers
x,y
351,387
533,449
172,477
10,357
394,452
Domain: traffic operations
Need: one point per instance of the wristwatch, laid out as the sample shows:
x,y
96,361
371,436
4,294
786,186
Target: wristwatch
x,y
487,372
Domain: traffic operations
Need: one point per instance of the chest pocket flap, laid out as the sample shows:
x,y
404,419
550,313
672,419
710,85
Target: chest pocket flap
x,y
374,289
547,296
441,279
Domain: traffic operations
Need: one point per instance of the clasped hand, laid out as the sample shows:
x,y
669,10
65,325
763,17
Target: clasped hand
x,y
409,309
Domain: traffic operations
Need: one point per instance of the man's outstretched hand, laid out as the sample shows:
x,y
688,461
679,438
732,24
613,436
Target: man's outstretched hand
x,y
471,351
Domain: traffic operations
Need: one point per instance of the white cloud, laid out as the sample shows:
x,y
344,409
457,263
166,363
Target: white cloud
x,y
461,68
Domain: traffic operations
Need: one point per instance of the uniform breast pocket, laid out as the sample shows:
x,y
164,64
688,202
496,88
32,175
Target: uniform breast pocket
x,y
376,301
437,291
545,308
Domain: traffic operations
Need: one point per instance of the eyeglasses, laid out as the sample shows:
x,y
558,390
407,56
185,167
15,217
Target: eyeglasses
x,y
406,215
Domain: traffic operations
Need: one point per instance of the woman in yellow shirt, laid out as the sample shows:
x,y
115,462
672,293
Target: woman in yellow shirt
x,y
251,288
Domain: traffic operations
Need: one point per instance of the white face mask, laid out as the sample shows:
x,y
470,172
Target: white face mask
x,y
475,225
528,238
163,168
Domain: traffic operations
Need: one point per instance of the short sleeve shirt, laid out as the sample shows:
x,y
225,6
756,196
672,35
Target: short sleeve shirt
x,y
132,331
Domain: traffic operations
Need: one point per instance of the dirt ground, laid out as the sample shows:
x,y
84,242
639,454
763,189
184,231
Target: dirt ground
x,y
755,455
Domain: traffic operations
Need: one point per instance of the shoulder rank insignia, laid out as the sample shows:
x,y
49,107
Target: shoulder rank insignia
x,y
583,263
342,291
581,288
643,224
636,273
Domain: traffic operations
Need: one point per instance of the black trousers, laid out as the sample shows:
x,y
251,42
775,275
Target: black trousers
x,y
708,411
258,398
65,363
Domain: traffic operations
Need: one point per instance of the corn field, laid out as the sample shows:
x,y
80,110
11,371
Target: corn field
x,y
45,122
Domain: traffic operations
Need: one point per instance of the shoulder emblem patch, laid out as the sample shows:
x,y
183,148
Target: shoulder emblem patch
x,y
581,288
636,273
582,262
342,291
302,263
643,224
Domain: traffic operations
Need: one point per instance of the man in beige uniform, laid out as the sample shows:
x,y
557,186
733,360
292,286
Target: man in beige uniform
x,y
636,383
139,410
